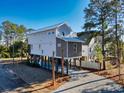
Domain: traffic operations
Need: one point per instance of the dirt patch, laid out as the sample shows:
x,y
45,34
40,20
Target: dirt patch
x,y
113,74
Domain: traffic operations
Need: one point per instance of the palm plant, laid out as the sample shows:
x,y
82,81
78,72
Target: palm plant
x,y
4,52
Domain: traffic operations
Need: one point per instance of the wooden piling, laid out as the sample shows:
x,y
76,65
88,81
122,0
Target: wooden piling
x,y
67,67
80,62
53,69
62,63
70,63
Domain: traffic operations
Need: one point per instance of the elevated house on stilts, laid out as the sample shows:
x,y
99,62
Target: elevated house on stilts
x,y
59,39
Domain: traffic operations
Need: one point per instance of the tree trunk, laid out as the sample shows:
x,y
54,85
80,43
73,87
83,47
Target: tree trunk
x,y
117,43
103,43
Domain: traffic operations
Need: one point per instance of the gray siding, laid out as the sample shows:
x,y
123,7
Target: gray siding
x,y
59,49
71,50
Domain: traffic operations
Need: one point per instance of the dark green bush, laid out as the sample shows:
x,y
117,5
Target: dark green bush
x,y
4,52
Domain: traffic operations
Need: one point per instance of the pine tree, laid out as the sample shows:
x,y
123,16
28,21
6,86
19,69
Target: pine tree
x,y
96,15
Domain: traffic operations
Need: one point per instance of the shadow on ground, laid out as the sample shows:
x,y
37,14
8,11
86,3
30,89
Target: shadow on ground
x,y
20,76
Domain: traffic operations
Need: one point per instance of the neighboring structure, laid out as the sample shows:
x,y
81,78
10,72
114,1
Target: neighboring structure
x,y
89,44
94,41
58,39
2,42
85,52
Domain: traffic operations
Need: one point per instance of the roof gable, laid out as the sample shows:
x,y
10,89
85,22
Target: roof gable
x,y
49,28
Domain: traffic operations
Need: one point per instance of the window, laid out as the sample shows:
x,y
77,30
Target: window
x,y
59,45
95,40
49,33
63,33
39,46
75,47
53,32
100,41
42,51
90,49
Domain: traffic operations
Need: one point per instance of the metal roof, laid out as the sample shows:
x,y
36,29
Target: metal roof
x,y
48,28
72,39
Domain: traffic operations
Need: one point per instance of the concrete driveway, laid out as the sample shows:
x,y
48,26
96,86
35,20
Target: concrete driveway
x,y
8,80
85,82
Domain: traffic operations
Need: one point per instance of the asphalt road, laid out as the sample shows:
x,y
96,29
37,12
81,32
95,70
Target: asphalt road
x,y
8,80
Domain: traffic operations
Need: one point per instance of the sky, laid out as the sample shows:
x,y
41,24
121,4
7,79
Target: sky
x,y
41,13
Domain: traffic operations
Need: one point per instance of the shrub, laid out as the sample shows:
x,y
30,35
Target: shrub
x,y
33,64
4,52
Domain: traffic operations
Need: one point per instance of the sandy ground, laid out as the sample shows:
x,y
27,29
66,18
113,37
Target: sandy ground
x,y
113,74
9,80
39,80
83,81
30,74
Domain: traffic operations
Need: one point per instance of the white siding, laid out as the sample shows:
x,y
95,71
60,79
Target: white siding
x,y
91,65
91,47
85,50
93,43
47,41
63,29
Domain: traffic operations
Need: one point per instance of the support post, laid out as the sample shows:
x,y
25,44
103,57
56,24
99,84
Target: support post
x,y
67,66
48,63
53,69
74,63
70,63
80,62
30,58
42,61
45,62
62,63
57,66
13,55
